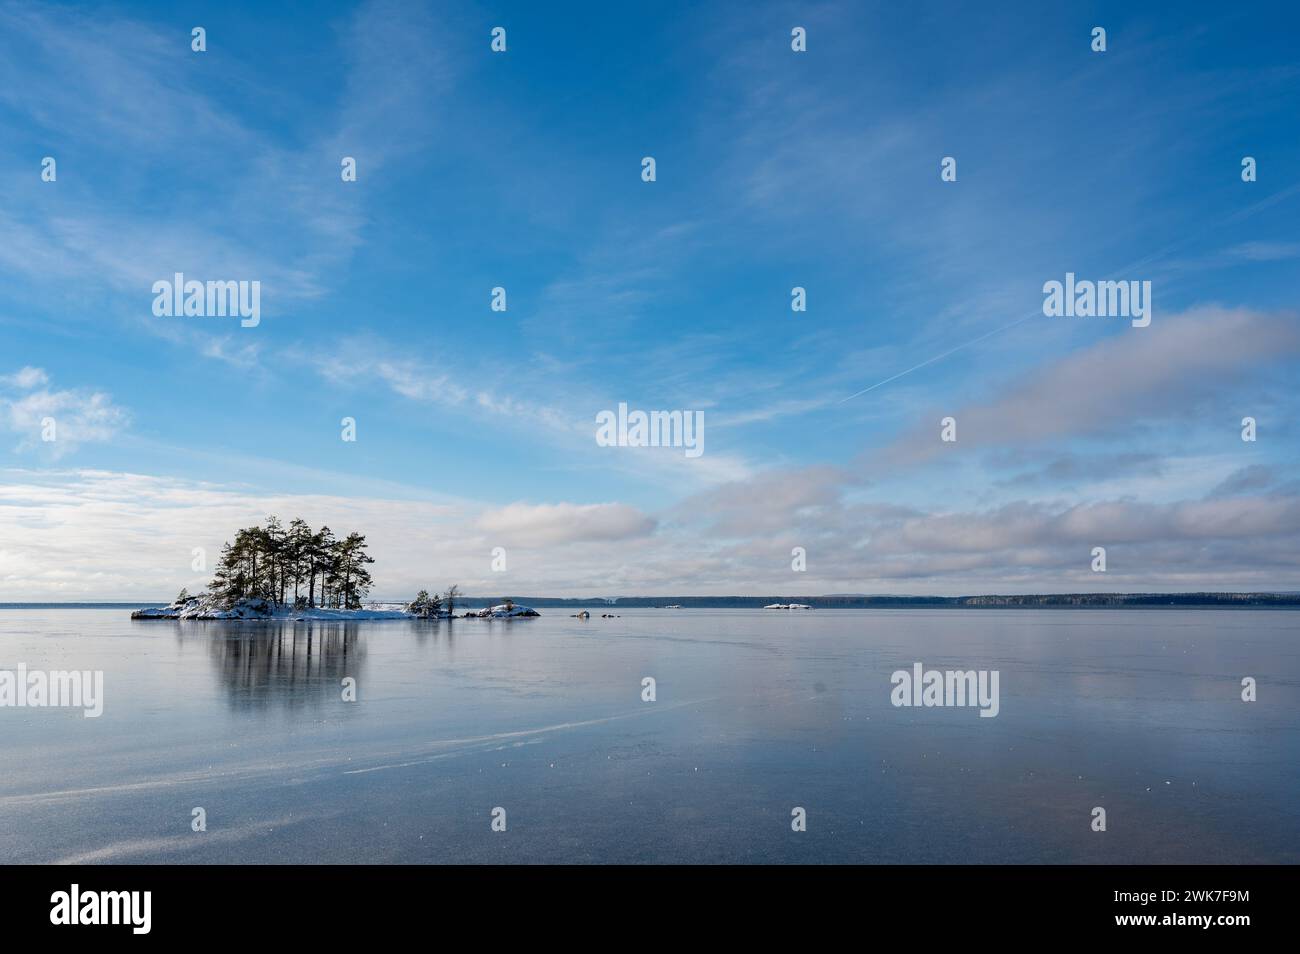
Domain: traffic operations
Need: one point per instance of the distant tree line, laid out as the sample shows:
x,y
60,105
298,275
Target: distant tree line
x,y
277,563
854,601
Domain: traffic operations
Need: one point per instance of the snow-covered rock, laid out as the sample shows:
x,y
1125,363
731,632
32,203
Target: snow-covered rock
x,y
189,607
502,611
207,607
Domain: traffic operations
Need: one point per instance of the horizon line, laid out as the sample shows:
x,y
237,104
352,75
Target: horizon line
x,y
738,596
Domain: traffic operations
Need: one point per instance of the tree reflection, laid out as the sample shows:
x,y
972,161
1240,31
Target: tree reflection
x,y
283,664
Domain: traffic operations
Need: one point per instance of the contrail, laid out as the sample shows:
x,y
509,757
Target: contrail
x,y
939,357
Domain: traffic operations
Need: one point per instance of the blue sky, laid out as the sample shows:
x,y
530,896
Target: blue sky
x,y
521,169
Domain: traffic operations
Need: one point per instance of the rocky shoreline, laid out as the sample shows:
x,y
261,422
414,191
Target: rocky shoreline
x,y
207,608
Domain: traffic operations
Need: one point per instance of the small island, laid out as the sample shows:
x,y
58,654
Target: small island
x,y
274,572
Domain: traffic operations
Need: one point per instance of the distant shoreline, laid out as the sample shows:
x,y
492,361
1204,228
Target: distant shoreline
x,y
992,601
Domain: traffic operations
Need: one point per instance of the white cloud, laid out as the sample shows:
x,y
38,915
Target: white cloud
x,y
1165,371
71,417
26,378
548,524
71,535
86,535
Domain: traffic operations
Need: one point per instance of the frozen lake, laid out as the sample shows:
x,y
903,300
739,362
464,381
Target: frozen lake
x,y
756,713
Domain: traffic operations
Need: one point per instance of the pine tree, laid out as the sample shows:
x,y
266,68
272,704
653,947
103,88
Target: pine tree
x,y
272,540
323,546
223,585
264,562
424,605
354,579
297,553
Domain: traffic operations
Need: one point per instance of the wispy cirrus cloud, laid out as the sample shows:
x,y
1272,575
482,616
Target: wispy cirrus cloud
x,y
124,94
497,389
1264,251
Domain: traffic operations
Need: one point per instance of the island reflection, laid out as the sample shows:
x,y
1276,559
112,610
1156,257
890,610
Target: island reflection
x,y
288,664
